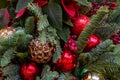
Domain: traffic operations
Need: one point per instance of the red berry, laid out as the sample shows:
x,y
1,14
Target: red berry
x,y
94,3
71,44
116,38
108,3
98,7
103,3
113,4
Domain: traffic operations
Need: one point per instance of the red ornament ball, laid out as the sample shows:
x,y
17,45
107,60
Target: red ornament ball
x,y
79,24
92,42
29,71
67,61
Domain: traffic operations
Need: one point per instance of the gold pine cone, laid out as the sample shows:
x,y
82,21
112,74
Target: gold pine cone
x,y
6,32
41,53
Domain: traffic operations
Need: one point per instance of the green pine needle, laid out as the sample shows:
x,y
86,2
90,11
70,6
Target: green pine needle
x,y
89,30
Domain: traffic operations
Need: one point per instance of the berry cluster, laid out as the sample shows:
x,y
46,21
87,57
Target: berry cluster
x,y
112,5
96,6
71,44
116,38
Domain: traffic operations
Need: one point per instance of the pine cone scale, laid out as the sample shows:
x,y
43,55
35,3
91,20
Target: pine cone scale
x,y
41,53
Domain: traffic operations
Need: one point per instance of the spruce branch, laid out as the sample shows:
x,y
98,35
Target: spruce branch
x,y
35,9
90,57
11,72
42,23
89,30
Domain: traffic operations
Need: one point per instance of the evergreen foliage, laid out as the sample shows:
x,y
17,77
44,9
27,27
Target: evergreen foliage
x,y
29,25
6,58
52,26
105,31
12,72
47,74
89,30
101,59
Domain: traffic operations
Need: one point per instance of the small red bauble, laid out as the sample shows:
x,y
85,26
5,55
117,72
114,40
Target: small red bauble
x,y
67,61
29,71
79,24
92,42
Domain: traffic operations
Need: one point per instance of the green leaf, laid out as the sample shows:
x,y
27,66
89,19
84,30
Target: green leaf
x,y
64,33
4,19
84,3
6,59
3,3
54,12
29,25
22,4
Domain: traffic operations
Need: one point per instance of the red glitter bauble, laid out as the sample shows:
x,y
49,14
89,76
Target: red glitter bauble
x,y
92,42
67,61
29,71
79,24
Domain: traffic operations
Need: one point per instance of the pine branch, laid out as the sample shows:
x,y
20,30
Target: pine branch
x,y
107,69
11,72
84,3
114,16
93,56
42,23
47,74
7,56
35,9
57,54
89,30
107,30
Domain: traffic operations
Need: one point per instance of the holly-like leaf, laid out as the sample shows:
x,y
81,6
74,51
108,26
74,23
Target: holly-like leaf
x,y
64,33
54,12
84,3
4,16
22,4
